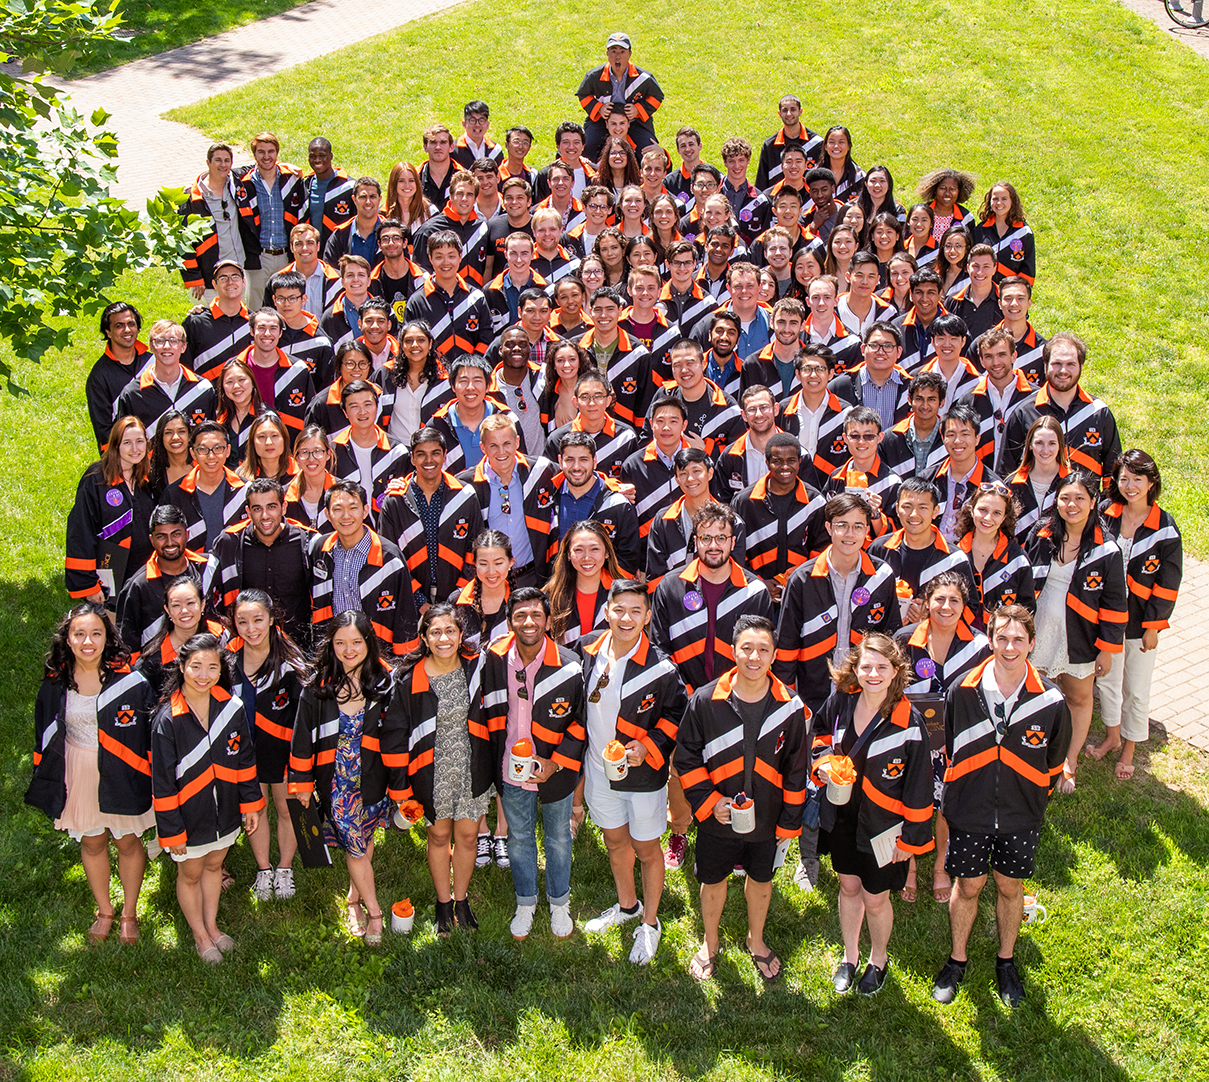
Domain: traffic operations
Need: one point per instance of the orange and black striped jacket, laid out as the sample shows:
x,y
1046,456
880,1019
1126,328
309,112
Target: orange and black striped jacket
x,y
182,494
388,460
680,619
461,522
686,309
143,398
140,614
615,442
768,166
540,502
203,778
124,708
940,557
316,735
893,769
1015,251
1030,510
652,706
1097,606
385,588
629,371
409,729
709,758
831,449
274,705
1002,786
967,648
460,321
213,338
293,202
1092,439
1155,570
670,544
992,423
898,456
474,234
641,91
778,539
107,534
654,483
197,266
293,388
714,416
917,339
559,713
338,205
1007,579
806,629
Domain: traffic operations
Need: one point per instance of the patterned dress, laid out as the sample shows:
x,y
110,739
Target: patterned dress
x,y
351,825
451,753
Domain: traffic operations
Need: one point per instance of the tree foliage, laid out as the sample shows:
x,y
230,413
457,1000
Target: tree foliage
x,y
64,240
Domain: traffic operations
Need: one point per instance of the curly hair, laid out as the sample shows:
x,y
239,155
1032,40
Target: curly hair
x,y
60,662
434,370
954,579
631,174
1011,510
563,579
441,608
845,679
928,184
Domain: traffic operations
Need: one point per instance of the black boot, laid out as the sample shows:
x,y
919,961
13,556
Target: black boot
x,y
463,915
445,918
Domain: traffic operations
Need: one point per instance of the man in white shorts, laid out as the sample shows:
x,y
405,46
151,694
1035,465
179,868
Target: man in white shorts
x,y
636,698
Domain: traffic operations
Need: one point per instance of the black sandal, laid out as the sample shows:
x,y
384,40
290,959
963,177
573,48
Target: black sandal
x,y
463,915
445,918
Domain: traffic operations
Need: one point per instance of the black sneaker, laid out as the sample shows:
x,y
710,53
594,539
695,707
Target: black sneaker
x,y
873,979
1007,977
482,853
844,977
947,980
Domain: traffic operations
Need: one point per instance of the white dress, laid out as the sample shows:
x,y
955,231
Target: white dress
x,y
1050,655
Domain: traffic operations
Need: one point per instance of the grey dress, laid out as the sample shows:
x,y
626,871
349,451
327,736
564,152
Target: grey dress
x,y
451,797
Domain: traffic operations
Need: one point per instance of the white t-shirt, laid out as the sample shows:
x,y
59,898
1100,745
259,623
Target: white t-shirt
x,y
365,469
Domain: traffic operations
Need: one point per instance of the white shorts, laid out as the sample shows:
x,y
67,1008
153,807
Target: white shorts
x,y
644,813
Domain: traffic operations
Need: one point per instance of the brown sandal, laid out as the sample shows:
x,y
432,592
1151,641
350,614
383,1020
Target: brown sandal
x,y
128,937
99,932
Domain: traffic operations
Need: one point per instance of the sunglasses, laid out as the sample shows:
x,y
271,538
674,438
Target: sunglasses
x,y
522,692
505,502
1001,724
603,682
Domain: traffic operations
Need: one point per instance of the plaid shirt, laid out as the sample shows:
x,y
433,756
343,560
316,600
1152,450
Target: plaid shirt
x,y
346,586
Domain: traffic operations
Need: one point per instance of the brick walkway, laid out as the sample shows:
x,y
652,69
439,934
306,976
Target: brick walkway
x,y
153,150
156,153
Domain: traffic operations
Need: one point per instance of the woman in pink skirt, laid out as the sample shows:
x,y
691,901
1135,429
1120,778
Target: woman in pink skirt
x,y
92,764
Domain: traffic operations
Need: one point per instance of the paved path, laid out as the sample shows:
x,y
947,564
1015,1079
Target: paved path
x,y
1196,40
153,150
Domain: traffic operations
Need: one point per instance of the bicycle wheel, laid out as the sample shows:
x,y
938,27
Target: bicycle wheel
x,y
1190,14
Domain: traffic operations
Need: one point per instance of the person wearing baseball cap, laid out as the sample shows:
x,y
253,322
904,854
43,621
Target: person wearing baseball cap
x,y
620,85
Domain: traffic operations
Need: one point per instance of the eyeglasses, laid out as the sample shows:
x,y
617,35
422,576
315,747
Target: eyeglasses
x,y
1001,725
313,454
287,298
597,206
164,343
848,527
356,366
223,278
881,347
603,682
703,186
683,264
861,437
505,502
210,452
522,692
712,539
813,370
592,399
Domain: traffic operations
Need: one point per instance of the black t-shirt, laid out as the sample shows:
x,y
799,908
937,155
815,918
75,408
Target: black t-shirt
x,y
914,561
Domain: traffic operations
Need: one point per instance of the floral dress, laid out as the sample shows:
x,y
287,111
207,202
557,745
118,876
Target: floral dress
x,y
351,825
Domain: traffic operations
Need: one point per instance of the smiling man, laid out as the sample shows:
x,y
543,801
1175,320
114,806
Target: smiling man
x,y
328,190
619,86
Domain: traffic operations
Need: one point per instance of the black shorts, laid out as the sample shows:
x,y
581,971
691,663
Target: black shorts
x,y
718,854
1011,855
847,859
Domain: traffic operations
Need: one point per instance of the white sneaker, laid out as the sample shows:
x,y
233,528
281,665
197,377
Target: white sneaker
x,y
283,883
263,887
522,921
646,943
611,917
561,923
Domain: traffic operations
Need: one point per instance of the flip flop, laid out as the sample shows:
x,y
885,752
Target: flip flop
x,y
765,960
1124,771
703,971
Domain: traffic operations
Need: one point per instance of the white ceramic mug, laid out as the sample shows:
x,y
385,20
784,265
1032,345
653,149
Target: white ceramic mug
x,y
520,768
401,925
1034,911
839,794
743,820
616,769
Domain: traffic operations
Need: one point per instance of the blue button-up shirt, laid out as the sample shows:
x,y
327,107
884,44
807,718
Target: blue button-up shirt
x,y
472,448
365,247
572,508
430,518
272,211
512,523
346,574
883,398
755,336
720,373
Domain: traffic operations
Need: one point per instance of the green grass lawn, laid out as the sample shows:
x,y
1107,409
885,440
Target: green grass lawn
x,y
167,24
1096,118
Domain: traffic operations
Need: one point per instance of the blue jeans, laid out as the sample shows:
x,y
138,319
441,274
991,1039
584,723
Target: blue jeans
x,y
520,806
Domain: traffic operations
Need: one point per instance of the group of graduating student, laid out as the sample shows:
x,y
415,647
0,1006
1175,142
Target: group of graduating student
x,y
647,502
